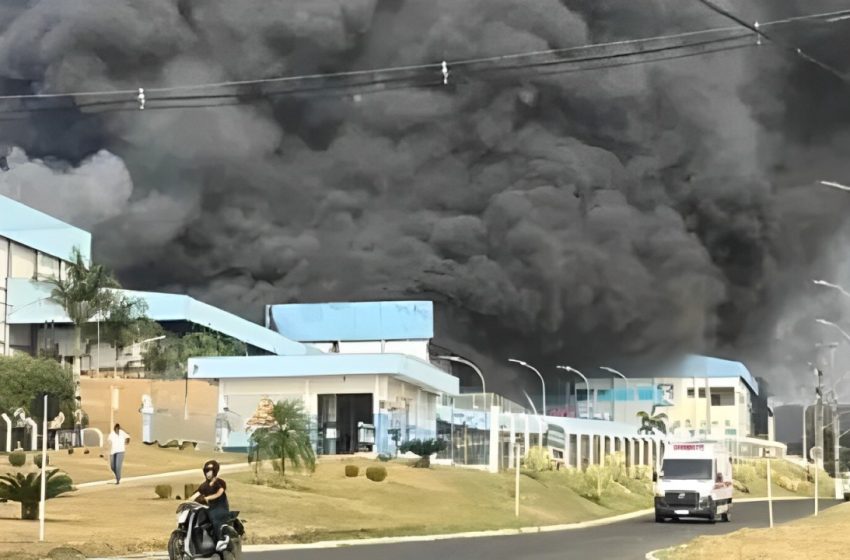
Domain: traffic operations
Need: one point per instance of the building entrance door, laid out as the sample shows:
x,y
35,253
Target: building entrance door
x,y
339,416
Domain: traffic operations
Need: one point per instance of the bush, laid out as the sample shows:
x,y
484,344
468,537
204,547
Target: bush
x,y
189,489
744,473
70,451
423,448
37,460
17,458
352,471
163,491
537,460
384,458
376,474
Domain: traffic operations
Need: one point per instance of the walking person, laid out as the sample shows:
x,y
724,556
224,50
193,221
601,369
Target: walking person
x,y
118,440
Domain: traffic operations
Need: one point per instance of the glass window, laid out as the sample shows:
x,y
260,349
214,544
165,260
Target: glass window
x,y
687,469
23,262
4,257
48,267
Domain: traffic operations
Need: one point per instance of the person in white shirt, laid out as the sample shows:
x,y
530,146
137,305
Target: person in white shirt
x,y
118,440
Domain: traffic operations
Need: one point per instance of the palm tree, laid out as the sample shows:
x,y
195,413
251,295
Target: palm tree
x,y
287,438
649,423
26,489
82,293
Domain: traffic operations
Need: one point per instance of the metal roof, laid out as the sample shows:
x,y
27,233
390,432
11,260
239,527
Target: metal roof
x,y
694,365
406,368
359,321
30,304
37,230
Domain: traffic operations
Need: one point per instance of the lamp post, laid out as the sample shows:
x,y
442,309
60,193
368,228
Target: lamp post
x,y
532,368
613,397
586,388
475,368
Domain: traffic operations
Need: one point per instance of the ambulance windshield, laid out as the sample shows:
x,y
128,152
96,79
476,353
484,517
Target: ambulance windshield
x,y
687,469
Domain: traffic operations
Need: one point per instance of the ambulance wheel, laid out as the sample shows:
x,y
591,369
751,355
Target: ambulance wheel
x,y
659,519
725,517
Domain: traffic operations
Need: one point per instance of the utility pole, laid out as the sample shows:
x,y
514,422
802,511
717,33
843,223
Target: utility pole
x,y
819,419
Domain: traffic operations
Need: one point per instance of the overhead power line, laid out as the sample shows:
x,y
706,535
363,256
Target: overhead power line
x,y
642,55
757,28
144,95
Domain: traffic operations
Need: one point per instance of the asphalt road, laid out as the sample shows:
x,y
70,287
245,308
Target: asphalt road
x,y
627,540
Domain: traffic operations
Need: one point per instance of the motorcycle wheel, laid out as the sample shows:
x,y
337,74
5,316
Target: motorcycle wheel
x,y
175,545
234,552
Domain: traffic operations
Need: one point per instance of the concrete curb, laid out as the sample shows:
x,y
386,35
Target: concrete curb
x,y
651,554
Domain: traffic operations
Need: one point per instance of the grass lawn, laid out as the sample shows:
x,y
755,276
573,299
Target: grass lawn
x,y
824,537
321,506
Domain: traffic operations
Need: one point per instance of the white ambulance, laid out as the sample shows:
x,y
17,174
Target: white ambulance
x,y
695,481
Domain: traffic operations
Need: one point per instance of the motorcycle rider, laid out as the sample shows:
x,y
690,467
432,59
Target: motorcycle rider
x,y
213,491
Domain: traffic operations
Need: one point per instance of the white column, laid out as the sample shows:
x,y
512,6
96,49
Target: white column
x,y
495,431
578,450
601,448
512,427
650,452
591,452
527,433
567,438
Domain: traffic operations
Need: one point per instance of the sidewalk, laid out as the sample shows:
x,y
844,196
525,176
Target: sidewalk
x,y
189,472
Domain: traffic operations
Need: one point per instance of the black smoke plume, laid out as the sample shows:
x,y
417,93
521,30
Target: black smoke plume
x,y
612,216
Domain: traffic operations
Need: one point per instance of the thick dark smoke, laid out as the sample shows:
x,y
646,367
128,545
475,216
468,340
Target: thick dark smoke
x,y
613,216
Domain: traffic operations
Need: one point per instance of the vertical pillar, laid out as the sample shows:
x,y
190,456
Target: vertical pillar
x,y
579,447
567,437
639,444
527,433
650,452
512,446
495,432
591,442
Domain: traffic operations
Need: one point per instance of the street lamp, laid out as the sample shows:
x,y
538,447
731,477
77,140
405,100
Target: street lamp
x,y
613,396
586,388
532,368
835,326
835,185
466,362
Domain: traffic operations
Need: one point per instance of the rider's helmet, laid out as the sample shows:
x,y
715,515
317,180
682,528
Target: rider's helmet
x,y
211,464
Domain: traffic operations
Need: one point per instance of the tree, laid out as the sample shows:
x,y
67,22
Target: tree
x,y
23,377
168,358
424,448
125,321
288,438
26,489
82,293
649,423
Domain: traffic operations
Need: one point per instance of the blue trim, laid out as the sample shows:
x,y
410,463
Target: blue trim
x,y
37,230
30,304
362,321
407,368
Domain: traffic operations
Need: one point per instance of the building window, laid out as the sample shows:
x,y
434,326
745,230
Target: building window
x,y
23,262
691,393
48,267
4,258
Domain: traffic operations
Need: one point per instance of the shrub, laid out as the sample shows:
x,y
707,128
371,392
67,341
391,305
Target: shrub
x,y
26,489
17,458
163,491
37,460
86,451
376,474
189,489
70,451
423,448
788,484
537,460
384,457
352,471
744,473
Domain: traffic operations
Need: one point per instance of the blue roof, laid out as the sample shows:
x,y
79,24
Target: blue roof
x,y
30,304
704,366
37,230
373,320
406,368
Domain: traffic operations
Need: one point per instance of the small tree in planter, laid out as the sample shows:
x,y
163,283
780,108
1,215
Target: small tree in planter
x,y
423,448
26,489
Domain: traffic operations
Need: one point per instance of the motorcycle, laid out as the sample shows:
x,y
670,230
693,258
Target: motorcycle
x,y
193,537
